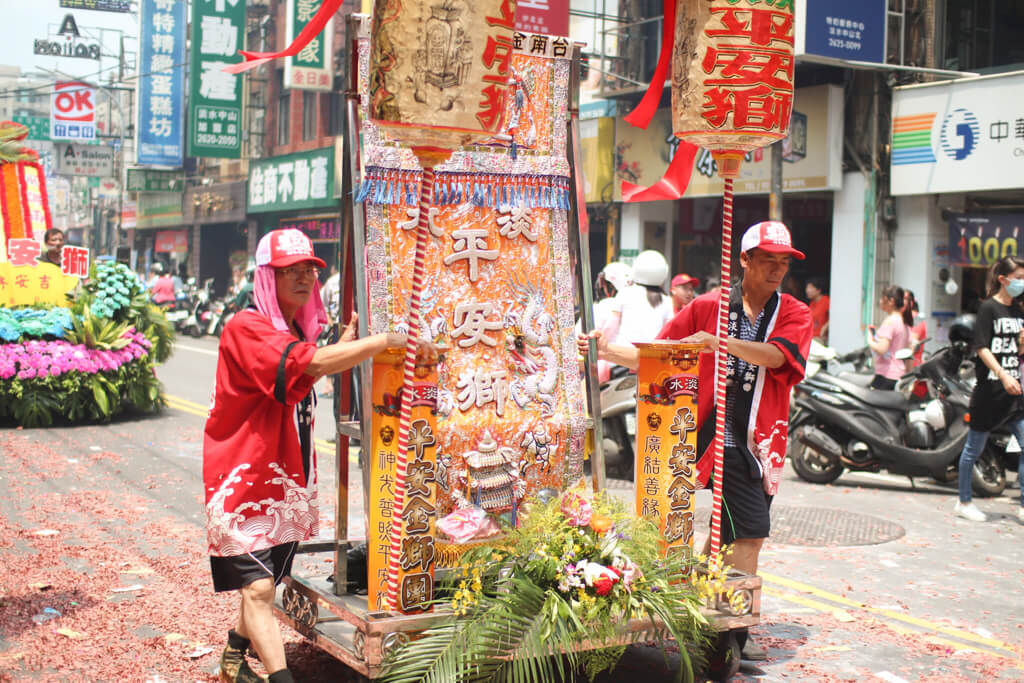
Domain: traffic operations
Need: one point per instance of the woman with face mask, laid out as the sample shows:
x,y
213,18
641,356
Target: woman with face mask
x,y
997,395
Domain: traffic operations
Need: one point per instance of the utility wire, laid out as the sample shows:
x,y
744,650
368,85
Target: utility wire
x,y
49,86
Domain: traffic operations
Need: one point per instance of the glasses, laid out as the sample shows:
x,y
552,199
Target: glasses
x,y
296,272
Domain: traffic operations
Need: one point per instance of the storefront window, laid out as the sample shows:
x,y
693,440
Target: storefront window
x,y
309,103
284,103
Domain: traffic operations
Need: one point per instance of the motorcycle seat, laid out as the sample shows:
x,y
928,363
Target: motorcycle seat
x,y
892,400
861,379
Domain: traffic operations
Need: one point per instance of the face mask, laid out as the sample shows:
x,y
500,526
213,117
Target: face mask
x,y
1015,288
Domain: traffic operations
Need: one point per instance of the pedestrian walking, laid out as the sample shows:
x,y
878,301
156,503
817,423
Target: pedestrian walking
x,y
770,336
259,465
919,330
997,394
892,336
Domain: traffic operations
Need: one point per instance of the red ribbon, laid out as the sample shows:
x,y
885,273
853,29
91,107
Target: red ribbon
x,y
672,185
643,113
310,31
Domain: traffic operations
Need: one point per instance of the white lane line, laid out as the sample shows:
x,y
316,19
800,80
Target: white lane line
x,y
195,349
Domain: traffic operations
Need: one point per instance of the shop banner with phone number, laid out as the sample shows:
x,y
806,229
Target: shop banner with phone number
x,y
983,239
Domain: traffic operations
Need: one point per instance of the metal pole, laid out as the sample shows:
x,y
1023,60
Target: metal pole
x,y
578,216
775,195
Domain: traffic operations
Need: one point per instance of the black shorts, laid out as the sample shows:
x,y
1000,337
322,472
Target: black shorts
x,y
745,505
238,571
883,383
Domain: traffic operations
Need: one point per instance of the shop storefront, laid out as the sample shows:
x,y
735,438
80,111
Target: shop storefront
x,y
958,178
688,230
216,214
298,191
160,233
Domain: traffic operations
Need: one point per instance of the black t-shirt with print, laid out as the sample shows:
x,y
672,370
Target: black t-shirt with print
x,y
997,328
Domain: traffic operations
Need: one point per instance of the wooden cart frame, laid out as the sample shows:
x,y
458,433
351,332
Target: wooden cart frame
x,y
321,609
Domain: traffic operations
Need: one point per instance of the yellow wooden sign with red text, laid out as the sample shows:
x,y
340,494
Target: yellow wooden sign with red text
x,y
666,438
41,283
417,559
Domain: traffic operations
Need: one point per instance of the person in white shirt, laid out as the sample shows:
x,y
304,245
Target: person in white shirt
x,y
614,278
643,309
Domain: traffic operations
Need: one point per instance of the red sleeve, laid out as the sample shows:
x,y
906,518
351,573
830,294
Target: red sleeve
x,y
252,348
792,336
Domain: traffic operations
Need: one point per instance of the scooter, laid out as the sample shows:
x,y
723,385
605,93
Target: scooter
x,y
618,420
198,317
917,430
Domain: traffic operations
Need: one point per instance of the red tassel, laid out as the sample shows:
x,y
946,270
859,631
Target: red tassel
x,y
643,113
311,30
672,185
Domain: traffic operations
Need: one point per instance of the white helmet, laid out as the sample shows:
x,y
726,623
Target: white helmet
x,y
618,275
650,269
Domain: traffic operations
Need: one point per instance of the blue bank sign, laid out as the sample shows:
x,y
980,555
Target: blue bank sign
x,y
840,29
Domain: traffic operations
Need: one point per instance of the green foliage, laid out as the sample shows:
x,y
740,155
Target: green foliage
x,y
516,619
149,319
97,333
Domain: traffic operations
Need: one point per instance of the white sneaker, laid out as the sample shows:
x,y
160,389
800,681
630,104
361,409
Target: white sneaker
x,y
1020,514
969,511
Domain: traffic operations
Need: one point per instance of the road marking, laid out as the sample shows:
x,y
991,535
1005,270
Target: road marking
x,y
195,349
992,643
186,406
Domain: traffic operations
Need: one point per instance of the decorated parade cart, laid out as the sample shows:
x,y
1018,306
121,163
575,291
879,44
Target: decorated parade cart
x,y
464,224
78,340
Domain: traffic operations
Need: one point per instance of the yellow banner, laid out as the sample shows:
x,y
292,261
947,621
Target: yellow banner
x,y
666,438
42,283
417,559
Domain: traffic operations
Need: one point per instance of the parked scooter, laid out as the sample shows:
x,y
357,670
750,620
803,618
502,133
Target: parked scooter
x,y
198,318
917,430
618,421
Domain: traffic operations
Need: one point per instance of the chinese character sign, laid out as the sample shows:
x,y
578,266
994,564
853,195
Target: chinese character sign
x,y
161,89
35,204
35,284
666,438
548,17
73,111
74,261
419,513
215,96
732,73
310,69
440,71
294,181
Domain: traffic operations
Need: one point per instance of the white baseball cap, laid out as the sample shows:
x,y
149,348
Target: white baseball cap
x,y
771,236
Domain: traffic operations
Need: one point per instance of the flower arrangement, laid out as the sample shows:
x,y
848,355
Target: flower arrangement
x,y
112,286
558,590
99,361
16,323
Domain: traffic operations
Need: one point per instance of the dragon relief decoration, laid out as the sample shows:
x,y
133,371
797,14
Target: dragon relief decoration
x,y
532,359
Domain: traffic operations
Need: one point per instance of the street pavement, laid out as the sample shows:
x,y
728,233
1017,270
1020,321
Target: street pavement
x,y
869,579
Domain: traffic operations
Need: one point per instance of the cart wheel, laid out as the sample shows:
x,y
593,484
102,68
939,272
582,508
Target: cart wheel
x,y
724,657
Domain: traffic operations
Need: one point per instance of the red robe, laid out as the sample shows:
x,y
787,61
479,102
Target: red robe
x,y
766,404
257,494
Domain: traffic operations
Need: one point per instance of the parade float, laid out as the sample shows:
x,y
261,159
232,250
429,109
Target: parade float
x,y
488,549
79,341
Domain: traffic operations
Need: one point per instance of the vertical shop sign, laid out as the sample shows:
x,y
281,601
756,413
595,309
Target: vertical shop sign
x,y
666,438
73,111
418,553
161,89
311,68
215,96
